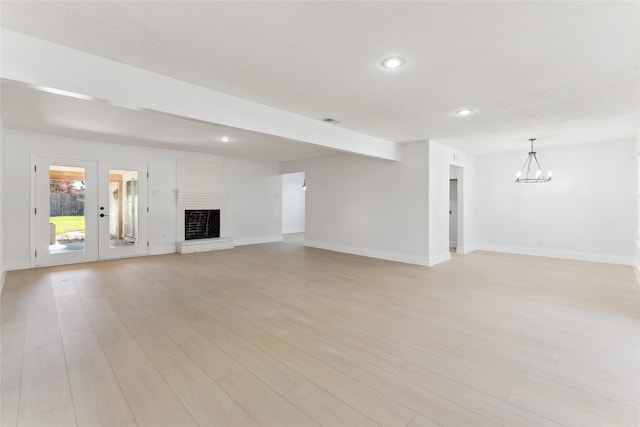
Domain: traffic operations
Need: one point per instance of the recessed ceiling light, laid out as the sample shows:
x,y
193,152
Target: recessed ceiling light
x,y
225,139
65,93
393,62
465,112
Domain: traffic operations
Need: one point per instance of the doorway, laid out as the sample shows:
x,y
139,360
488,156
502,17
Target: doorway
x,y
455,209
87,210
294,187
453,214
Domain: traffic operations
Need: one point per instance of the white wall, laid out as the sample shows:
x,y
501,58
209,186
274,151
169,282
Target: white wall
x,y
441,157
368,206
390,210
2,269
585,212
637,198
293,202
254,188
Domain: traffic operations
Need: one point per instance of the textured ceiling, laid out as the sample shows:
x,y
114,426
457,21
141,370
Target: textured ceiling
x,y
564,72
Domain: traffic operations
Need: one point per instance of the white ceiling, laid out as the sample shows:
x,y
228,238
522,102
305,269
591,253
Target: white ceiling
x,y
564,72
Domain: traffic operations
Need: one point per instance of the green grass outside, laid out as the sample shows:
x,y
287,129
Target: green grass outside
x,y
64,224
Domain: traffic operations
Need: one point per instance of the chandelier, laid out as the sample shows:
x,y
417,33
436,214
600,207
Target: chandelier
x,y
531,170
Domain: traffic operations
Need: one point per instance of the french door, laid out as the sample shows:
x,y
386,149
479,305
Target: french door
x,y
85,211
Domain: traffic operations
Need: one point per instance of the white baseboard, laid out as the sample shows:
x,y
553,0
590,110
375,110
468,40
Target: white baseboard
x,y
258,240
437,259
371,253
171,249
162,250
466,249
293,230
578,256
18,265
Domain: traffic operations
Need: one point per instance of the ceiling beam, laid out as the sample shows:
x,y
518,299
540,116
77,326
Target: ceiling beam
x,y
48,65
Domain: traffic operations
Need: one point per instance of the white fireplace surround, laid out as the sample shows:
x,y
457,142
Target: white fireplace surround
x,y
201,185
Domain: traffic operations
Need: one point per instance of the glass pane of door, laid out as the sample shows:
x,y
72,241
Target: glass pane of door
x,y
65,218
123,208
67,186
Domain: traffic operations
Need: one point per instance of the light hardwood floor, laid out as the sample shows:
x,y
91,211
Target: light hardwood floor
x,y
282,335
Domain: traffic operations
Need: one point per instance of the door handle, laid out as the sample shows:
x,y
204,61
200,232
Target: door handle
x,y
103,215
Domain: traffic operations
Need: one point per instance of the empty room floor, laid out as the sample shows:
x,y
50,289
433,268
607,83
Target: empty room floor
x,y
282,335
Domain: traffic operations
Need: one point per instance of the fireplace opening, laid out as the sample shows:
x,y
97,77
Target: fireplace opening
x,y
201,224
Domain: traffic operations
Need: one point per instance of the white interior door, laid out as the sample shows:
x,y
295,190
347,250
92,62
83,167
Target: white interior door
x,y
453,214
122,210
86,210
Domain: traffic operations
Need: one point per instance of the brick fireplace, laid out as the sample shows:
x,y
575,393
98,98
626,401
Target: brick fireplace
x,y
202,205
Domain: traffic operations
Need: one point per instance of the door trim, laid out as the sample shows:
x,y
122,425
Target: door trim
x,y
38,233
105,251
33,235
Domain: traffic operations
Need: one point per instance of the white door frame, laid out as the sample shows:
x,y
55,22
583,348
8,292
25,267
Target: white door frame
x,y
459,177
39,209
94,253
142,245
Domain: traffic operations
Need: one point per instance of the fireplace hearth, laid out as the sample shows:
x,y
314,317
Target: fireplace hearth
x,y
201,224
